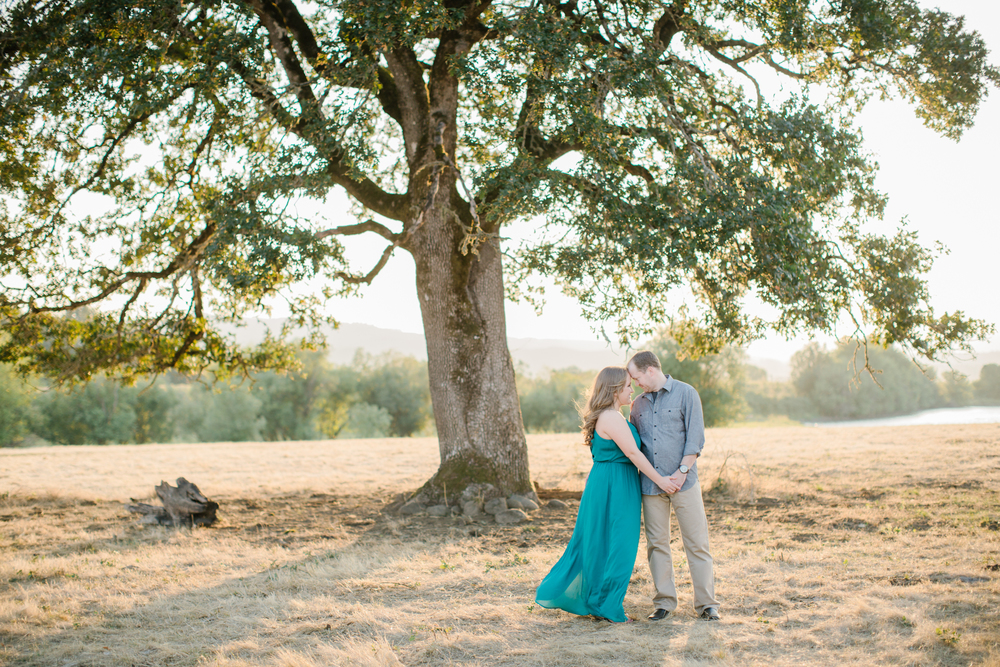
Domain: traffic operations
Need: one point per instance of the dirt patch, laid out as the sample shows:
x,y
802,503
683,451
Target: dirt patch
x,y
905,579
865,525
967,484
805,537
799,519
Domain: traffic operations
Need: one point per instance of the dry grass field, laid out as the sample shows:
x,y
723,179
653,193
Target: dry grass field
x,y
832,546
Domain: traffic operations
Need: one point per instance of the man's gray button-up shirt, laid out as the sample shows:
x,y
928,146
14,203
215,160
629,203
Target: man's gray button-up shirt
x,y
671,426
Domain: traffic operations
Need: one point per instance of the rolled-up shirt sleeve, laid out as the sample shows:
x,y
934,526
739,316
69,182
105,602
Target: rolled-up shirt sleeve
x,y
694,423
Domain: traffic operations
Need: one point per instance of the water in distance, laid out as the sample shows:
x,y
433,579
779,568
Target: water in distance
x,y
969,415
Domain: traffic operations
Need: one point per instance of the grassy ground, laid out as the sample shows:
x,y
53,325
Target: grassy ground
x,y
832,547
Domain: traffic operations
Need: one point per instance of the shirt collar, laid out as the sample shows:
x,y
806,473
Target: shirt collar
x,y
667,386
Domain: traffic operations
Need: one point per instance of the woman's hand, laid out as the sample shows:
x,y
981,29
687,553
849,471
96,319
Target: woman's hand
x,y
668,484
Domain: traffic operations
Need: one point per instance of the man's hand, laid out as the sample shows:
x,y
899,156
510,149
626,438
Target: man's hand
x,y
678,478
669,485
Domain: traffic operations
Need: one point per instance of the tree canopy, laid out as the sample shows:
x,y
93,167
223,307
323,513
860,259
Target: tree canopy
x,y
196,123
157,154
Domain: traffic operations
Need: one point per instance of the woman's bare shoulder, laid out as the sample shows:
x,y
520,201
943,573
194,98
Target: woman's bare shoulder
x,y
610,418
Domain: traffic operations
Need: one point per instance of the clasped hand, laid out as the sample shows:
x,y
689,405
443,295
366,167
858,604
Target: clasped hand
x,y
672,484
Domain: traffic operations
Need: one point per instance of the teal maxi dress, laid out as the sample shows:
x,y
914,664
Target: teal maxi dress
x,y
593,573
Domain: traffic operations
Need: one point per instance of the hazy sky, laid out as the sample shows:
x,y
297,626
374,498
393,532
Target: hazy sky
x,y
946,190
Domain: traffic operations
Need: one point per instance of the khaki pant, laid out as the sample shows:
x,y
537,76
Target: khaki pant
x,y
690,511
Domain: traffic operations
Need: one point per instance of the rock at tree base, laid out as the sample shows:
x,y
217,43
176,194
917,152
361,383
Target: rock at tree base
x,y
183,505
511,517
471,508
412,507
522,503
495,506
478,492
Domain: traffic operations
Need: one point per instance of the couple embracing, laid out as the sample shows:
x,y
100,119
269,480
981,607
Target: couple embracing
x,y
650,462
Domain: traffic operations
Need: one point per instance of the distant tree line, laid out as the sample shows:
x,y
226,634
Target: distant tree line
x,y
825,385
387,396
372,397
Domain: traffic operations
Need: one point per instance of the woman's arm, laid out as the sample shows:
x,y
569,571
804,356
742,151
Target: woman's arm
x,y
613,426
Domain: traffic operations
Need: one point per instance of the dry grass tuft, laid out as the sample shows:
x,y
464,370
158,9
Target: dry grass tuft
x,y
833,546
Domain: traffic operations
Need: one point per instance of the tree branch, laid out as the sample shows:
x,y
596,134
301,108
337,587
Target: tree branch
x,y
362,188
205,143
753,51
181,261
133,123
472,29
585,187
281,46
360,228
674,119
189,340
735,65
285,15
414,103
530,139
638,170
795,75
668,24
128,304
367,279
262,91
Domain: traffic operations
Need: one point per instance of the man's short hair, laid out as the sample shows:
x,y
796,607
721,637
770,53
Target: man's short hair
x,y
643,360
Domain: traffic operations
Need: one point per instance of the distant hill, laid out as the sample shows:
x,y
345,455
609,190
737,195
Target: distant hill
x,y
535,355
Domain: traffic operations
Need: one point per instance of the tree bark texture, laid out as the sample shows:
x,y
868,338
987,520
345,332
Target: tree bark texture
x,y
461,291
472,384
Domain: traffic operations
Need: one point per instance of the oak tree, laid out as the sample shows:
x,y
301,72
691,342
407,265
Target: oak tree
x,y
156,155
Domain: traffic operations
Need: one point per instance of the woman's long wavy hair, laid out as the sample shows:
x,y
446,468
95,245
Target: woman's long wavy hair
x,y
601,397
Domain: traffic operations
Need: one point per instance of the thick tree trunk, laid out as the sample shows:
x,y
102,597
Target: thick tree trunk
x,y
476,409
480,432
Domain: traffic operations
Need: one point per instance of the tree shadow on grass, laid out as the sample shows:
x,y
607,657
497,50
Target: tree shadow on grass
x,y
346,585
306,580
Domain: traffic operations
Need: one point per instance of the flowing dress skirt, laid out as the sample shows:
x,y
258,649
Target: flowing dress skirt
x,y
593,574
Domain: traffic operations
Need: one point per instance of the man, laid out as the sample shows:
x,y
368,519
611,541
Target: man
x,y
669,420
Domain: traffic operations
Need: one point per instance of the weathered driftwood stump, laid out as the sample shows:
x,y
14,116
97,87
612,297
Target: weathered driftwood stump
x,y
183,505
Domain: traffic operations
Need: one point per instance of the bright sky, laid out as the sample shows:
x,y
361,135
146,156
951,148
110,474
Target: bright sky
x,y
945,190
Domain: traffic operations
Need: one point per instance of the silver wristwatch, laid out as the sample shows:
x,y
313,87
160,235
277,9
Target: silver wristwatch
x,y
684,469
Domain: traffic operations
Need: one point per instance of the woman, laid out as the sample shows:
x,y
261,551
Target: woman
x,y
593,573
